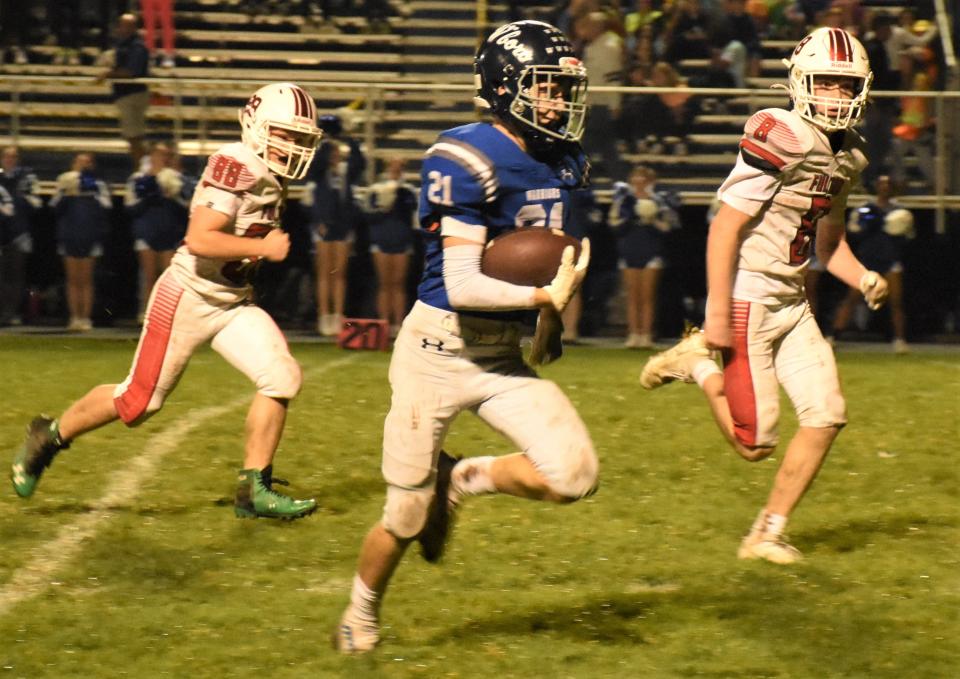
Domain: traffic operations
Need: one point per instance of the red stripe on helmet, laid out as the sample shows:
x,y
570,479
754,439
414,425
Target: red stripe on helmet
x,y
297,102
840,47
846,39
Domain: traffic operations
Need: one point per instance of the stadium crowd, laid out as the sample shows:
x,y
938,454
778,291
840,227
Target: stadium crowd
x,y
341,265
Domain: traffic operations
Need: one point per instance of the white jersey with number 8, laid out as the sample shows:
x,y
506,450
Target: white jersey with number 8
x,y
787,176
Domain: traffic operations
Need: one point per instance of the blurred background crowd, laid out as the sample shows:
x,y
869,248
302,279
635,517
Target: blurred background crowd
x,y
85,231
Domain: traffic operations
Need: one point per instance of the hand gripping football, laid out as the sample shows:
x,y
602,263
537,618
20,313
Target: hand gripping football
x,y
527,256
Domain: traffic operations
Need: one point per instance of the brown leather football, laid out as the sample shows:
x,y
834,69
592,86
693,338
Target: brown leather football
x,y
527,256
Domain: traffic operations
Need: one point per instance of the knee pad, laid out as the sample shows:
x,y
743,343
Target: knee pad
x,y
831,412
284,379
405,511
577,473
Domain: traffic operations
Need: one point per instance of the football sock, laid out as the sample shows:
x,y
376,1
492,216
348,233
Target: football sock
x,y
365,602
471,476
704,369
774,524
771,524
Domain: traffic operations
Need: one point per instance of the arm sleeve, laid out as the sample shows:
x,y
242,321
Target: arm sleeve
x,y
468,288
459,181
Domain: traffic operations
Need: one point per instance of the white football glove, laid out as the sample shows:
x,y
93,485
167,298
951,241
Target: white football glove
x,y
569,276
874,289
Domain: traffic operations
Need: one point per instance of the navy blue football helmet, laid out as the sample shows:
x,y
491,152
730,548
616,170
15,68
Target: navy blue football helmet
x,y
527,75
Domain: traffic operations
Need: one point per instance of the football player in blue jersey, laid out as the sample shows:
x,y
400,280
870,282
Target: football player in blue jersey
x,y
459,347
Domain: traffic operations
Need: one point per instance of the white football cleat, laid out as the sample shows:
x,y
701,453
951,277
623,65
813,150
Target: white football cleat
x,y
354,634
676,363
769,547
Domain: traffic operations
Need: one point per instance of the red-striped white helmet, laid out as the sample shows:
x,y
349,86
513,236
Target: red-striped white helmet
x,y
282,106
831,52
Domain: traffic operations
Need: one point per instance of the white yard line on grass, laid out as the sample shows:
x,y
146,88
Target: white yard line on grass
x,y
48,558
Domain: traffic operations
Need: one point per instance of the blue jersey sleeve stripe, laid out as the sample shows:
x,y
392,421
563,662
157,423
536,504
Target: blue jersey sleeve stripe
x,y
473,161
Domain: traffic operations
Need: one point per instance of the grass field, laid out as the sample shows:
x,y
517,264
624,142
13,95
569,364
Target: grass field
x,y
129,562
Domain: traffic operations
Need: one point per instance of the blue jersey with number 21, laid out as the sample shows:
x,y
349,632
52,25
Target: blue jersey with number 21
x,y
476,183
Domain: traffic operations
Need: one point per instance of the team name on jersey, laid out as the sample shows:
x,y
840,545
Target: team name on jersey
x,y
543,194
824,183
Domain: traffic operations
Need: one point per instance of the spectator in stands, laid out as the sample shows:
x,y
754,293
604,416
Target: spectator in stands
x,y
644,14
155,200
788,20
21,199
902,39
392,205
851,16
14,21
159,11
565,16
81,202
66,24
881,116
741,28
810,9
687,32
131,60
335,214
603,56
879,232
641,215
643,56
107,13
914,135
665,114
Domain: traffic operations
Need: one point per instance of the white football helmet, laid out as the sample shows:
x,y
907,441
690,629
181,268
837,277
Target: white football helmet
x,y
282,106
828,52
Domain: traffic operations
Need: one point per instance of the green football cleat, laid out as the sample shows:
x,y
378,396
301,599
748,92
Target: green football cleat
x,y
256,497
37,453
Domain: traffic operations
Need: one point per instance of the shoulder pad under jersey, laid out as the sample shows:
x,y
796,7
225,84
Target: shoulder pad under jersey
x,y
233,168
457,173
775,139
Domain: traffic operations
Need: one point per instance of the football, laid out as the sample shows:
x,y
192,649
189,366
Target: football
x,y
527,256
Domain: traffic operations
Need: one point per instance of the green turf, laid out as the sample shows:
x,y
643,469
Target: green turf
x,y
639,581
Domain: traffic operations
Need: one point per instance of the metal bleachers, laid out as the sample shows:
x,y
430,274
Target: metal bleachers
x,y
396,90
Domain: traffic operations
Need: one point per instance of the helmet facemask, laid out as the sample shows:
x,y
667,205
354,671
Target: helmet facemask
x,y
292,158
828,113
561,89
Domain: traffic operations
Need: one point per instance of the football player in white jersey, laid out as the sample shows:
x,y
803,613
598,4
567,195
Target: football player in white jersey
x,y
205,295
790,182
